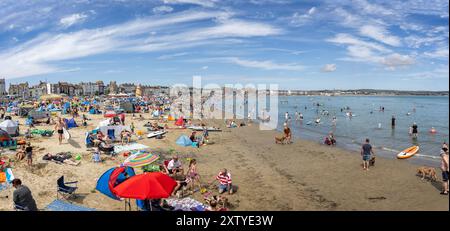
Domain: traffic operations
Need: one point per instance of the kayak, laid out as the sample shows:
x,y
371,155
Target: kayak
x,y
409,152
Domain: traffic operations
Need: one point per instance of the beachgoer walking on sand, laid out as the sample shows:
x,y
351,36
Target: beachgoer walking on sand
x,y
366,153
29,154
22,196
59,127
444,168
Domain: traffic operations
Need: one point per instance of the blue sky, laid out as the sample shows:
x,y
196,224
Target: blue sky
x,y
297,44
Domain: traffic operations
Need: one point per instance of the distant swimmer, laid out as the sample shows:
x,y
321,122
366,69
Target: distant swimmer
x,y
393,121
317,121
433,130
379,125
408,114
286,116
296,115
300,116
333,121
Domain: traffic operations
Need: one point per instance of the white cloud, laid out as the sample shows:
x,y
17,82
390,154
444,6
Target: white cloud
x,y
361,51
397,60
438,53
298,19
380,34
204,3
162,9
170,56
34,57
265,65
329,68
351,40
73,19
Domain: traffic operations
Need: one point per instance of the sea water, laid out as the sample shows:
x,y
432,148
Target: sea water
x,y
371,122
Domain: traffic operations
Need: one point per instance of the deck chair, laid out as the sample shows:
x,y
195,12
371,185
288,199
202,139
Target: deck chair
x,y
64,190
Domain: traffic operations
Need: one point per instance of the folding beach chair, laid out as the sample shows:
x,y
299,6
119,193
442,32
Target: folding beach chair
x,y
65,191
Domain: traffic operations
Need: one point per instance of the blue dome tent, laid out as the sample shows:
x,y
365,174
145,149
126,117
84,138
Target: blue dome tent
x,y
184,140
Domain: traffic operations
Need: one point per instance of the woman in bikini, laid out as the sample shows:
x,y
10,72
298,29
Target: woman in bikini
x,y
193,175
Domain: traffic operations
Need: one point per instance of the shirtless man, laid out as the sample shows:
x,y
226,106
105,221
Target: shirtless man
x,y
59,127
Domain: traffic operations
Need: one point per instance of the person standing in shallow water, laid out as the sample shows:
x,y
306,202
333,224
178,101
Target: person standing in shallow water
x,y
393,121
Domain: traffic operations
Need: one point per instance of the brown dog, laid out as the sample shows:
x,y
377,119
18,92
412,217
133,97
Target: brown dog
x,y
372,161
427,172
280,140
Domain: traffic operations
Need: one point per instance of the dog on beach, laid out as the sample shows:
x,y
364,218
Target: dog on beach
x,y
427,172
372,161
280,140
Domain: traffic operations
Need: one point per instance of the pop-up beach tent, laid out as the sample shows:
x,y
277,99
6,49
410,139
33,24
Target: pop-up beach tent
x,y
184,140
113,177
11,127
71,123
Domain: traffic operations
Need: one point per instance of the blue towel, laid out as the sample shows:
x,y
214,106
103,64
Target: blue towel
x,y
58,205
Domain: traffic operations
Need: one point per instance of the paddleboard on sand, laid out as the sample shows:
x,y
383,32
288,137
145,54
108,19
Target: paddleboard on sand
x,y
156,133
66,134
409,152
210,129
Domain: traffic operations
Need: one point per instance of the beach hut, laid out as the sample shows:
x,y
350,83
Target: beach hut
x,y
184,141
11,127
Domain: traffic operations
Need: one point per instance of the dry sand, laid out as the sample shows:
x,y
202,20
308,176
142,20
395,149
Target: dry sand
x,y
299,176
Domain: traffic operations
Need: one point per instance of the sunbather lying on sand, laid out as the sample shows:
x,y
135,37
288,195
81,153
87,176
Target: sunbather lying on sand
x,y
59,159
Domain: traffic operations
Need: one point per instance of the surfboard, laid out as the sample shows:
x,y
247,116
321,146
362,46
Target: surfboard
x,y
67,135
199,128
409,152
156,133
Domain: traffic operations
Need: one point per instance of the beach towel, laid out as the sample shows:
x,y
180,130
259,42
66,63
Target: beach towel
x,y
129,147
9,177
186,204
58,205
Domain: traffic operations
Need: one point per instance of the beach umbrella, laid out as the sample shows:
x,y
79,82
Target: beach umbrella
x,y
150,185
140,159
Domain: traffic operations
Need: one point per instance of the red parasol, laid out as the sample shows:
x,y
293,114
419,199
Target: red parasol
x,y
150,185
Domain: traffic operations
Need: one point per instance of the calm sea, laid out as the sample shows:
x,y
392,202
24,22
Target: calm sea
x,y
369,121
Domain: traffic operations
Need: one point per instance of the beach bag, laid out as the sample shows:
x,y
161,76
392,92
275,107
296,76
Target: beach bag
x,y
2,177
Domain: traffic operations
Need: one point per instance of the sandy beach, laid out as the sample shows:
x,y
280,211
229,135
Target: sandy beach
x,y
299,176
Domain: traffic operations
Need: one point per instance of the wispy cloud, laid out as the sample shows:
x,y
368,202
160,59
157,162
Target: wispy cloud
x,y
34,57
380,34
265,65
73,19
162,9
299,19
204,3
170,56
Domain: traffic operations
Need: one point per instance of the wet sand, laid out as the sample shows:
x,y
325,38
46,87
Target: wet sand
x,y
268,176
